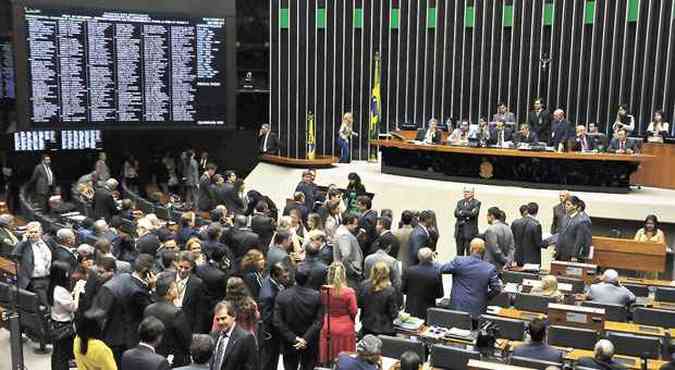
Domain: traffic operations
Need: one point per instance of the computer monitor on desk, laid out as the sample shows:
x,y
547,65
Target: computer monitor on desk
x,y
576,316
583,271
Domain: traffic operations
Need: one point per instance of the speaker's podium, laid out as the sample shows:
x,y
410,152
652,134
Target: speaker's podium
x,y
629,254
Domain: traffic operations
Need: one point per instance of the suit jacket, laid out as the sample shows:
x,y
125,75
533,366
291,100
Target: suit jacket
x,y
422,285
23,252
435,138
539,351
206,198
531,243
499,245
592,363
529,139
348,251
177,335
391,262
418,239
494,139
193,301
540,123
228,196
272,143
214,282
559,218
267,298
241,352
611,293
388,242
402,234
241,241
367,223
298,313
466,213
191,172
64,254
277,254
378,309
574,240
578,147
561,131
311,192
264,226
40,181
317,271
148,244
104,204
143,358
123,299
474,283
518,231
614,145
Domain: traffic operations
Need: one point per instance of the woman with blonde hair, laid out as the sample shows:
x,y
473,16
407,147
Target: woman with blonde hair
x,y
341,309
378,302
252,271
549,288
194,246
345,136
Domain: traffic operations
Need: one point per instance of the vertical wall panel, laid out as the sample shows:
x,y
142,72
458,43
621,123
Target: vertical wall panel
x,y
456,59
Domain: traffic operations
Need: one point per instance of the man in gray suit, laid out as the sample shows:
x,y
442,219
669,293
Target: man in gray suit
x,y
499,244
503,114
574,239
191,177
348,251
610,290
559,212
42,182
201,351
279,252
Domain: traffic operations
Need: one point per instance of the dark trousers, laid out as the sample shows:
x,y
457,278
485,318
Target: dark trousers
x,y
306,358
462,246
40,286
62,353
271,349
41,201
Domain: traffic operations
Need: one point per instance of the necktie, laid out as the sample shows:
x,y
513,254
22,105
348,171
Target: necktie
x,y
220,350
584,146
49,175
621,145
264,148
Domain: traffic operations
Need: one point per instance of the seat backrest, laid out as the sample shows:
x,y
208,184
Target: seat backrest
x,y
654,317
28,301
532,302
503,299
533,363
638,290
162,213
578,285
145,206
517,277
564,336
5,294
635,345
451,358
394,347
449,318
613,311
508,328
663,294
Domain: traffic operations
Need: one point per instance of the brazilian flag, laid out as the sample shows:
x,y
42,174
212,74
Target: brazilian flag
x,y
375,111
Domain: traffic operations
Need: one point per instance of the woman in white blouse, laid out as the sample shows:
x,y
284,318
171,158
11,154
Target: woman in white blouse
x,y
345,136
63,313
658,128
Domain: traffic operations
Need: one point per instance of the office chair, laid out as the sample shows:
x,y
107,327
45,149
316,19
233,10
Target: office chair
x,y
532,302
564,336
635,345
451,358
532,363
449,318
163,213
512,329
503,299
5,294
654,317
638,290
394,347
665,294
613,312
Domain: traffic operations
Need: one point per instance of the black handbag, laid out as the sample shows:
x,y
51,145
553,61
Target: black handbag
x,y
59,330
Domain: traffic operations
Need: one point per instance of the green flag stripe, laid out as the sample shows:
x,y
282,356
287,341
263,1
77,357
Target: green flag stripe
x,y
358,18
321,18
431,18
589,13
469,17
549,15
633,10
507,16
394,20
283,18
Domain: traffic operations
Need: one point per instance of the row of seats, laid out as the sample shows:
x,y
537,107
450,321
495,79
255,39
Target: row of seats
x,y
34,317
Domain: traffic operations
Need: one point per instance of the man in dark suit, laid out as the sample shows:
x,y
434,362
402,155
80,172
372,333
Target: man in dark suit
x,y
214,279
242,239
518,230
536,348
190,177
104,203
539,120
35,260
280,252
206,199
42,182
386,240
525,135
574,239
559,213
263,225
122,301
313,264
267,141
309,189
583,143
367,224
64,248
235,347
297,202
422,285
531,241
500,134
148,242
620,144
277,281
143,356
229,196
177,335
420,237
474,281
602,359
189,290
466,226
561,130
201,351
298,319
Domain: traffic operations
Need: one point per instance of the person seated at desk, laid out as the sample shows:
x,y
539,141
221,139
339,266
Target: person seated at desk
x,y
620,144
433,134
500,134
525,136
602,359
583,142
536,348
503,115
623,120
650,232
548,288
658,128
600,140
368,352
610,290
670,365
460,135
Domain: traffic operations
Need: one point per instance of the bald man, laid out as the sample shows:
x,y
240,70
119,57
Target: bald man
x,y
561,130
422,284
559,212
610,290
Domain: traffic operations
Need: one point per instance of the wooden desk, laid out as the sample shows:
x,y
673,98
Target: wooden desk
x,y
629,254
484,365
605,172
659,172
648,282
632,362
321,161
7,267
575,270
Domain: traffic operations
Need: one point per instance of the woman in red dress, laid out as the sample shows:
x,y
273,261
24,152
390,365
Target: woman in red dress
x,y
340,301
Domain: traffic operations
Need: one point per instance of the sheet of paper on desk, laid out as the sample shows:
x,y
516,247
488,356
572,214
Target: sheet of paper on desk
x,y
531,267
460,332
511,288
